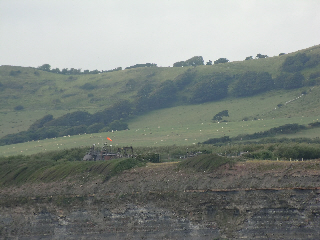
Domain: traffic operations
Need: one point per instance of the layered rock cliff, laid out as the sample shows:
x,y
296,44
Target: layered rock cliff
x,y
253,200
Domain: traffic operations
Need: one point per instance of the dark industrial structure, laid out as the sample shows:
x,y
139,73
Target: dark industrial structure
x,y
106,153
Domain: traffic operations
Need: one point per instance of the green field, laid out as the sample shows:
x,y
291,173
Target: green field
x,y
188,125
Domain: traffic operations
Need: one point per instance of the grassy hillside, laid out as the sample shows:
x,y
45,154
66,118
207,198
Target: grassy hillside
x,y
188,125
42,93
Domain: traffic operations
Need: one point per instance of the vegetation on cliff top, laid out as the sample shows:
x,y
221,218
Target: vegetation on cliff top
x,y
59,165
205,162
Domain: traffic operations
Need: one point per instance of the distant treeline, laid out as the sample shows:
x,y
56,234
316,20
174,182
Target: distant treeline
x,y
74,71
142,65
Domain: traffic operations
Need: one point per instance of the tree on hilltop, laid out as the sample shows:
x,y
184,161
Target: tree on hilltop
x,y
194,61
221,60
259,55
45,67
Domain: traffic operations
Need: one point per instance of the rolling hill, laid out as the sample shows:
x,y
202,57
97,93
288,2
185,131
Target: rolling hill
x,y
173,105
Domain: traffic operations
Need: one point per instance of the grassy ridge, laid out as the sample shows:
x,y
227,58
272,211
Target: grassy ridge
x,y
66,164
56,166
205,162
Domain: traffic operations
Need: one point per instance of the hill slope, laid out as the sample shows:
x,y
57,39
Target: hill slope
x,y
39,93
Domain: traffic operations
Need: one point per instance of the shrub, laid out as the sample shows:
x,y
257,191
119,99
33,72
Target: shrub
x,y
295,63
218,116
40,123
251,83
217,140
313,61
221,60
15,73
264,155
118,125
18,108
149,157
205,162
194,61
88,86
184,79
211,88
94,128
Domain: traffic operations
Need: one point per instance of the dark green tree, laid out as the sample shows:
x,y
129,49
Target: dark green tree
x,y
94,128
259,55
18,108
313,61
185,79
15,73
163,96
121,110
289,80
265,82
280,80
40,122
179,64
74,71
220,115
87,86
294,81
118,125
94,72
45,67
194,61
64,71
251,83
142,65
56,70
221,60
210,88
295,63
71,119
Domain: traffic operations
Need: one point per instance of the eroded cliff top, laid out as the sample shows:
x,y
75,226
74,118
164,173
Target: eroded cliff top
x,y
163,177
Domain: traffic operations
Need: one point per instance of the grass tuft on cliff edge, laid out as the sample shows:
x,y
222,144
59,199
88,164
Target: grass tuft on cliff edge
x,y
205,162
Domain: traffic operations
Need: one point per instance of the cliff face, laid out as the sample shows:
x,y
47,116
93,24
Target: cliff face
x,y
160,202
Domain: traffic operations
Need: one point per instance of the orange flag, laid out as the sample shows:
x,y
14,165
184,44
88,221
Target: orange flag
x,y
109,139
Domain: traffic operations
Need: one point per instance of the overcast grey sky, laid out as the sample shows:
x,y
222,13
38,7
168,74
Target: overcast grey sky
x,y
105,34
